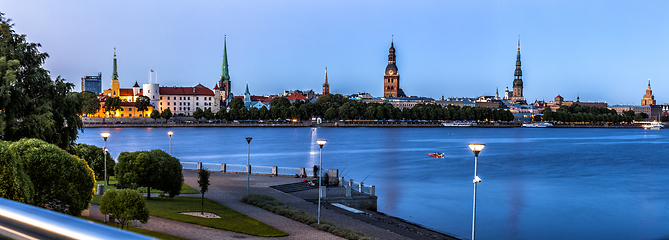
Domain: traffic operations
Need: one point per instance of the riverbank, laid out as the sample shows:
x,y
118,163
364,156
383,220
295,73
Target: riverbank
x,y
129,123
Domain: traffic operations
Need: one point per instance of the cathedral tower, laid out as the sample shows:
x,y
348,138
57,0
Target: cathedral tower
x,y
648,98
326,86
518,79
391,78
224,83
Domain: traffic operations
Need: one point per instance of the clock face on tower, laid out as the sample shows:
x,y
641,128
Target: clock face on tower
x,y
390,72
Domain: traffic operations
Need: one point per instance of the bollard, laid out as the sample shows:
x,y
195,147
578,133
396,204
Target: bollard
x,y
323,191
248,169
199,165
348,191
223,167
275,171
350,182
360,185
372,190
303,172
341,182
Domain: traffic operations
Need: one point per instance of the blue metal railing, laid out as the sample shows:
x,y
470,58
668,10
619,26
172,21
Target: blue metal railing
x,y
22,221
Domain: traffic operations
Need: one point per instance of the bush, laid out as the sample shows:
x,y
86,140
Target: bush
x,y
14,183
125,205
272,204
62,182
95,159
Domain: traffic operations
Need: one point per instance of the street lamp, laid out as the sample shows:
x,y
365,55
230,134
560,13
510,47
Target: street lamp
x,y
105,135
248,163
476,148
170,133
320,177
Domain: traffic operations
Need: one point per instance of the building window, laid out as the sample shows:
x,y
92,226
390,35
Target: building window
x,y
188,108
161,103
130,115
180,98
168,98
129,109
149,91
197,98
179,108
179,103
121,115
175,109
188,104
188,98
168,103
197,104
161,97
175,103
121,109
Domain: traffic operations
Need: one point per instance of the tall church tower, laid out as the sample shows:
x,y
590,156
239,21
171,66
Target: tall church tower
x,y
326,86
115,85
648,98
225,76
391,78
518,79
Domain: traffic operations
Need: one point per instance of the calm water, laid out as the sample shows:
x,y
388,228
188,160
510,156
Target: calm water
x,y
537,183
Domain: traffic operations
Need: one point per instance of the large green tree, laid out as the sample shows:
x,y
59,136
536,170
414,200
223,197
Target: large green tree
x,y
14,183
142,103
89,102
166,114
125,205
150,169
62,182
95,159
198,113
32,104
155,115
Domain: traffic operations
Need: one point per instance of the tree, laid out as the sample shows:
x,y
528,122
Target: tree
x,y
236,103
95,159
150,169
90,103
155,115
280,102
263,113
166,114
331,113
203,180
222,113
142,103
125,205
62,182
629,113
32,104
208,114
198,113
112,104
640,117
14,183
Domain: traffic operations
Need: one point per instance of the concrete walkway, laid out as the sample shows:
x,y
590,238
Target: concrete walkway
x,y
228,189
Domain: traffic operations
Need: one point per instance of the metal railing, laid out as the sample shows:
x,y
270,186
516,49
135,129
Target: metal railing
x,y
288,171
189,165
235,168
211,166
261,169
22,221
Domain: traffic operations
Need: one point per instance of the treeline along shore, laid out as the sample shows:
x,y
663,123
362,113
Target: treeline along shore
x,y
189,122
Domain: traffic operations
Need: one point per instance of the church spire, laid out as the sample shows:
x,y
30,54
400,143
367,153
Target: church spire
x,y
114,72
326,86
247,89
225,76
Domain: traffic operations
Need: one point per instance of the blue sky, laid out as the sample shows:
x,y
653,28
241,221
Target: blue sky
x,y
600,50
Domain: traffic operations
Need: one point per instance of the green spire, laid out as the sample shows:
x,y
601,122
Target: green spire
x,y
518,73
247,89
114,73
224,70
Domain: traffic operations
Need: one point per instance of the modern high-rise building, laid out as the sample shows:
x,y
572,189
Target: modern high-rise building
x,y
648,98
224,82
518,80
92,83
391,77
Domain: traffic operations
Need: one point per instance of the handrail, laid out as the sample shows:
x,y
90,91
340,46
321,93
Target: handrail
x,y
23,221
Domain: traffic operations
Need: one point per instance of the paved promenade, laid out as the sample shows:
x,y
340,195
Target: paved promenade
x,y
228,189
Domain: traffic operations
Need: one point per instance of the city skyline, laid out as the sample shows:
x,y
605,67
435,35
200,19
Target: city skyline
x,y
599,51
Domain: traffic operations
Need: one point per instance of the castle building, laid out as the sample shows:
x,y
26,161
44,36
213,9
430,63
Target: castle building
x,y
92,84
518,80
648,98
184,100
224,82
326,86
391,77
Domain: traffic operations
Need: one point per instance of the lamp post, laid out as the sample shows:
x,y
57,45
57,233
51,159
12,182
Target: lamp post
x,y
170,133
476,148
248,163
320,177
105,135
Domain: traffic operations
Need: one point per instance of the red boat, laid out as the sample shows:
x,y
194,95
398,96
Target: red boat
x,y
436,154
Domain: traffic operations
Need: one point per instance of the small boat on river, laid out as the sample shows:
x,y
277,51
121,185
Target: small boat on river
x,y
537,125
653,125
459,124
436,154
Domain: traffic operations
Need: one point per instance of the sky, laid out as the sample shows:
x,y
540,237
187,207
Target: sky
x,y
598,50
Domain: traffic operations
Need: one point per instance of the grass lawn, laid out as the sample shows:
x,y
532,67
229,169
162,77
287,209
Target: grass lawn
x,y
139,230
230,220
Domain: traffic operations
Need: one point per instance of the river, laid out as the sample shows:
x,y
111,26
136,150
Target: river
x,y
553,183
